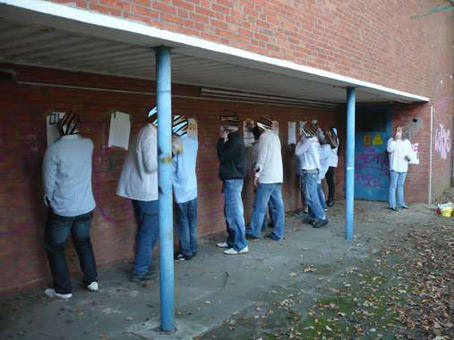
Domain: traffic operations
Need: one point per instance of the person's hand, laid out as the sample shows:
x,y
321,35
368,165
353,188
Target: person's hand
x,y
398,135
256,181
223,134
408,159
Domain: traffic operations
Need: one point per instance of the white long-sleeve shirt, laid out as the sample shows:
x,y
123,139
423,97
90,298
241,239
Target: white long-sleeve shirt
x,y
67,170
269,161
308,152
184,171
333,157
398,150
139,176
325,152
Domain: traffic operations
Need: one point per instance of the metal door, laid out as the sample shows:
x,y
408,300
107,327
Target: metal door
x,y
373,129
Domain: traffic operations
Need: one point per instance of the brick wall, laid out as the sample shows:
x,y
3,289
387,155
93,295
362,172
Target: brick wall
x,y
23,142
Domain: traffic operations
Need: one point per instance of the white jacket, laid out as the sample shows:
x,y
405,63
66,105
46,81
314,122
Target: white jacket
x,y
139,176
269,160
308,152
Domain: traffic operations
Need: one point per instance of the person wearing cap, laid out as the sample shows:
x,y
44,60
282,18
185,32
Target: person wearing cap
x,y
268,181
232,158
332,163
308,152
400,153
67,172
185,188
139,183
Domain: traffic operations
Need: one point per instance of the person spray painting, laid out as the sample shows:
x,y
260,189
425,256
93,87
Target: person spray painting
x,y
400,154
139,183
67,172
232,171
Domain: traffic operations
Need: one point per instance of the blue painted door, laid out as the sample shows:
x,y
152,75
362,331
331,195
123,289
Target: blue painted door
x,y
373,129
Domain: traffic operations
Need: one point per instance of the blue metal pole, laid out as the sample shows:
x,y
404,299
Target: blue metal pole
x,y
164,104
350,165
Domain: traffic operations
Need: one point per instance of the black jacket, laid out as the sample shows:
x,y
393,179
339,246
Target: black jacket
x,y
232,157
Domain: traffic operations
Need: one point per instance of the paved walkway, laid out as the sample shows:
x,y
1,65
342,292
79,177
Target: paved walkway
x,y
209,289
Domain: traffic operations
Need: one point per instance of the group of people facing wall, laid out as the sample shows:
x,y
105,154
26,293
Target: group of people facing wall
x,y
67,172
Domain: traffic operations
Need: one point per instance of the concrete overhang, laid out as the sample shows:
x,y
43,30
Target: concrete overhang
x,y
46,34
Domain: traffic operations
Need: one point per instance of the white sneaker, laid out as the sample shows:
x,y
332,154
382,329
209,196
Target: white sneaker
x,y
232,251
93,287
50,292
222,245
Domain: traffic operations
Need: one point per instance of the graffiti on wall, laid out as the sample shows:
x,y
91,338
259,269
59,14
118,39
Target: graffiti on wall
x,y
371,168
442,141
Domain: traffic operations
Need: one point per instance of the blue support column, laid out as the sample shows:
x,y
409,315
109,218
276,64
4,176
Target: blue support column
x,y
350,165
164,105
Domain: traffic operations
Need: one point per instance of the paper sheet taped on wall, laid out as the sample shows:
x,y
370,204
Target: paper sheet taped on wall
x,y
51,127
248,136
275,127
120,128
292,132
192,128
414,158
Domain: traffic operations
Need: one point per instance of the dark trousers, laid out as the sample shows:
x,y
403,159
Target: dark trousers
x,y
331,185
58,229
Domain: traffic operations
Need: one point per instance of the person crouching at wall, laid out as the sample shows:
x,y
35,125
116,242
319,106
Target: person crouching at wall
x,y
268,181
232,171
400,154
185,187
139,183
67,171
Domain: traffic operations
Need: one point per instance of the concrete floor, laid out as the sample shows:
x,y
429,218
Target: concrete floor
x,y
210,288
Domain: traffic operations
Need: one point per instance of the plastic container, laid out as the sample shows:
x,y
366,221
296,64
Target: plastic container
x,y
446,212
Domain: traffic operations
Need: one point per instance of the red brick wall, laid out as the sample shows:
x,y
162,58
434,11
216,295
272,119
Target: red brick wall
x,y
393,43
23,142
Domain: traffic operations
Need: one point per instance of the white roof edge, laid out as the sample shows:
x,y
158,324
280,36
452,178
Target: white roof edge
x,y
102,20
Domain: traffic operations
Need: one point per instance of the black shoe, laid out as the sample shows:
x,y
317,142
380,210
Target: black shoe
x,y
329,203
251,237
271,237
320,223
136,277
308,220
394,209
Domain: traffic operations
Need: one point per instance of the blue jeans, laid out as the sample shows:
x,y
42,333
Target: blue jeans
x,y
321,196
234,213
186,216
265,193
147,234
57,232
397,181
310,189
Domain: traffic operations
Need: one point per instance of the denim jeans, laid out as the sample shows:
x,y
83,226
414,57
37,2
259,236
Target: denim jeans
x,y
268,193
309,187
321,196
234,213
57,232
397,181
147,234
186,218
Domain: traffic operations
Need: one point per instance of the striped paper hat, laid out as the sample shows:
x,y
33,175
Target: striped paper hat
x,y
179,125
265,123
230,120
152,116
69,124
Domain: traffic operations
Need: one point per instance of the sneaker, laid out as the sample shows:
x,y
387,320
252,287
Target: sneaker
x,y
329,203
137,277
394,209
222,245
308,220
182,257
271,237
251,237
93,287
232,251
50,292
405,206
320,223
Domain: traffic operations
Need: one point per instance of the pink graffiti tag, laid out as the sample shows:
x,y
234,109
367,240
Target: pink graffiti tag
x,y
442,141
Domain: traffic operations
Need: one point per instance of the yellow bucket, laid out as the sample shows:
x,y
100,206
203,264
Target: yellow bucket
x,y
446,212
